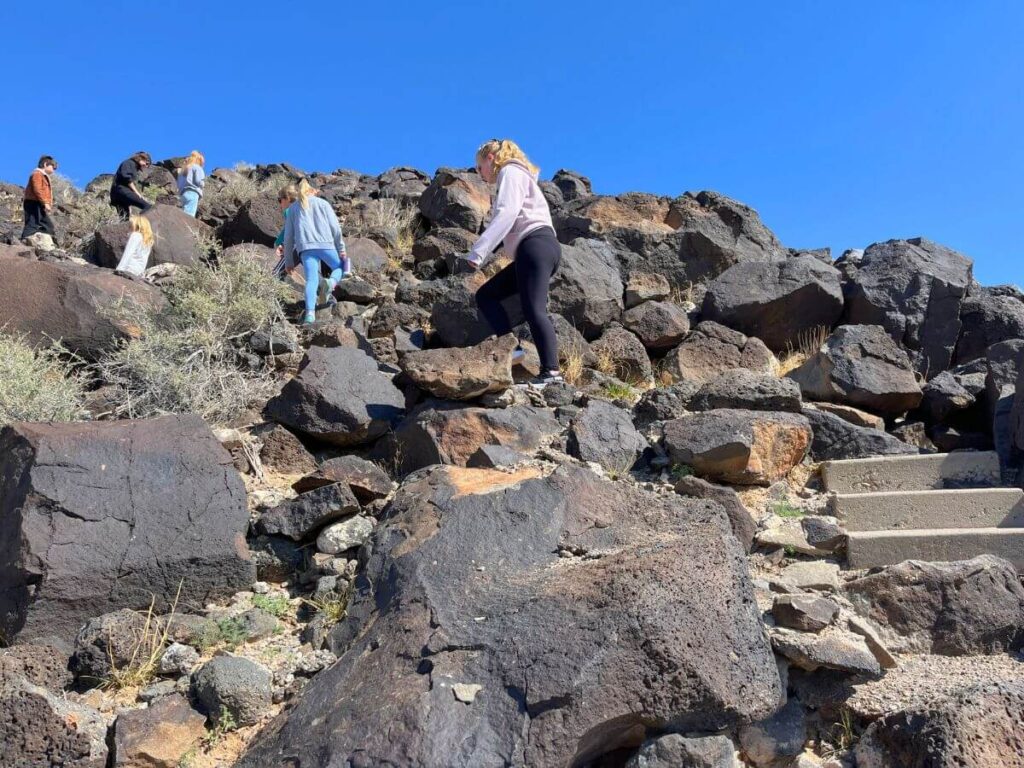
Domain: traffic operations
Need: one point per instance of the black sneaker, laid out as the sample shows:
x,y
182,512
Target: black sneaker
x,y
539,382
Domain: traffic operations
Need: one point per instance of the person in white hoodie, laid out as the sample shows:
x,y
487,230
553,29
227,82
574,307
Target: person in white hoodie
x,y
138,248
522,221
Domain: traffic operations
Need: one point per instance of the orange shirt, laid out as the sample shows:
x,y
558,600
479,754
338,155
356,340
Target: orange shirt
x,y
39,188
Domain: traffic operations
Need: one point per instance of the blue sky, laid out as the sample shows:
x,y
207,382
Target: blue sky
x,y
841,123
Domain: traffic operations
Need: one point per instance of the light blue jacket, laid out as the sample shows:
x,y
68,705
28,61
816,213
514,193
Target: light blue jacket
x,y
192,179
311,228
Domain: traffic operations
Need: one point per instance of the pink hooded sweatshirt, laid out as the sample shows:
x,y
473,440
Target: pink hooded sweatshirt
x,y
519,209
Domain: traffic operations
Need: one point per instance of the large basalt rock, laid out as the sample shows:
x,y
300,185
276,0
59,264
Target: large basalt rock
x,y
340,397
53,301
987,318
716,232
403,184
258,220
456,199
738,446
178,238
860,365
604,433
837,438
442,432
462,373
634,225
740,388
453,311
587,289
954,608
740,520
41,730
158,736
624,353
776,301
660,325
108,515
481,645
914,289
977,728
712,349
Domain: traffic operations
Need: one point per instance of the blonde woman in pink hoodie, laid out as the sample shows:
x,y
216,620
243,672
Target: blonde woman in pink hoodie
x,y
522,222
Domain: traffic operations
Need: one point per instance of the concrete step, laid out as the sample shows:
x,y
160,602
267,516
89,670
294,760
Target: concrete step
x,y
867,549
918,510
912,473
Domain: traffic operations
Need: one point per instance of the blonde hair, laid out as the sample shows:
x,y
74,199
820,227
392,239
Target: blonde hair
x,y
141,225
303,192
505,151
195,158
288,192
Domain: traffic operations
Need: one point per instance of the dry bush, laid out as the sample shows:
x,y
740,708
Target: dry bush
x,y
85,216
241,189
808,342
147,649
38,384
187,358
64,190
606,362
388,216
572,363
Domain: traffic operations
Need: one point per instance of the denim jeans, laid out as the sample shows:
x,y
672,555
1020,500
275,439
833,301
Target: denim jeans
x,y
311,266
190,202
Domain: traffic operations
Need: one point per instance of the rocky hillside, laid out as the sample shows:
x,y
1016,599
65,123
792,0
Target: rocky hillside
x,y
228,540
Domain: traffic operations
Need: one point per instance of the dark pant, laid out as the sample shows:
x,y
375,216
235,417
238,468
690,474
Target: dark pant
x,y
536,261
37,220
122,198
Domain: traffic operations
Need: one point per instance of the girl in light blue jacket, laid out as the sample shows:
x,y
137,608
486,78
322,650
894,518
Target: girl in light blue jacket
x,y
312,231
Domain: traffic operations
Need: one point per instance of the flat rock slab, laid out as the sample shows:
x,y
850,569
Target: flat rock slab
x,y
565,597
923,510
868,549
106,515
462,373
962,469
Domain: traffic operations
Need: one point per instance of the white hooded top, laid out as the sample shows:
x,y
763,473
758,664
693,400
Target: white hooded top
x,y
519,209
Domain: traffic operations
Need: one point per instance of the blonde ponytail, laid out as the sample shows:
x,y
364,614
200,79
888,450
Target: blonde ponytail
x,y
141,225
505,151
304,192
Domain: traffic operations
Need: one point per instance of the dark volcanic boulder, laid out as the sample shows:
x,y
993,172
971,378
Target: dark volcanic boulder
x,y
453,312
302,518
587,289
712,349
403,184
365,479
624,353
740,388
977,728
179,238
456,199
571,184
462,373
369,260
954,608
107,515
340,397
70,303
604,433
478,644
739,446
987,318
716,232
913,289
41,730
443,432
776,301
660,325
743,524
861,366
445,244
837,438
258,221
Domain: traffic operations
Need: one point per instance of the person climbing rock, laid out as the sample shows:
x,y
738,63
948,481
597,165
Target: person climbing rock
x,y
312,231
191,180
38,200
138,248
522,221
123,192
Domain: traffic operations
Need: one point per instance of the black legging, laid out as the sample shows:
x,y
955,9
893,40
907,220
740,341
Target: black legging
x,y
122,198
536,261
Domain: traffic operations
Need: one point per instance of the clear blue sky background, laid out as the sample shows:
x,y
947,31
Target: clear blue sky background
x,y
841,123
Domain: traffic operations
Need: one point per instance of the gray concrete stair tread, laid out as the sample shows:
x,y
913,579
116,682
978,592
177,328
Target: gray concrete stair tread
x,y
920,510
912,473
867,549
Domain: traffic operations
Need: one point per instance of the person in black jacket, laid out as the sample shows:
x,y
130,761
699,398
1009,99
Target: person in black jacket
x,y
123,192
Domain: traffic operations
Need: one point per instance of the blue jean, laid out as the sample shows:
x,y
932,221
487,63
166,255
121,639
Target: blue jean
x,y
190,202
311,267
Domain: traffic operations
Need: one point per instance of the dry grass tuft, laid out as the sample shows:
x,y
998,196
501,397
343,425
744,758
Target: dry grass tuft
x,y
42,384
808,342
144,662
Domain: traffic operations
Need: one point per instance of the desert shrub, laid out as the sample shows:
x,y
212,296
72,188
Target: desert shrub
x,y
241,189
808,342
38,384
187,357
86,215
